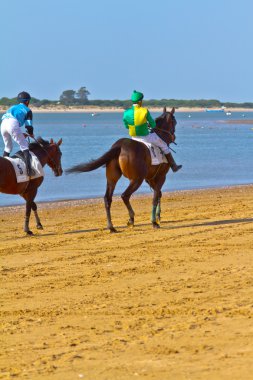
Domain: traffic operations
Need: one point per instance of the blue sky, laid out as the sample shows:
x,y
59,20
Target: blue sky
x,y
182,49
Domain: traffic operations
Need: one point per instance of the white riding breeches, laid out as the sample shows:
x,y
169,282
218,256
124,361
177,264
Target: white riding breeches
x,y
153,138
10,129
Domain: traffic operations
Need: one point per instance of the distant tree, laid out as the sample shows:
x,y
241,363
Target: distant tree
x,y
68,97
8,102
82,95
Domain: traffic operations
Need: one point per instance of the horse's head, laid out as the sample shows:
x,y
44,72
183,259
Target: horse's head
x,y
166,126
48,153
54,157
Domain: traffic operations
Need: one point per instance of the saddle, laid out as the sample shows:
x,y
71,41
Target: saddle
x,y
18,163
156,153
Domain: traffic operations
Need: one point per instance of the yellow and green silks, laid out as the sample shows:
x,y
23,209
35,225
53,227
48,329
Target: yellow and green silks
x,y
137,119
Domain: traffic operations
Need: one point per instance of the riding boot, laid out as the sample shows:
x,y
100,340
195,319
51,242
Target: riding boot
x,y
6,154
172,163
30,171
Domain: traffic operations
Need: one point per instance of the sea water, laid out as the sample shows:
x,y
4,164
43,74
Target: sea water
x,y
213,153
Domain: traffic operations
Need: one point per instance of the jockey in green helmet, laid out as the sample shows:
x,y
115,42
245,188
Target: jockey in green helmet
x,y
138,121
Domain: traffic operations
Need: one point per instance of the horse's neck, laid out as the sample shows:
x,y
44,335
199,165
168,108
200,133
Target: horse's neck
x,y
159,129
162,132
42,155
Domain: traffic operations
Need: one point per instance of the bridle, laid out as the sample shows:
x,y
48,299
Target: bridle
x,y
168,132
56,168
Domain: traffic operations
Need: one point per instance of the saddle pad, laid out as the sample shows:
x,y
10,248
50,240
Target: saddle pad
x,y
156,153
20,168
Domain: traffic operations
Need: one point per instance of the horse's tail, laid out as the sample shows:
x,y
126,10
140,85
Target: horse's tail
x,y
95,164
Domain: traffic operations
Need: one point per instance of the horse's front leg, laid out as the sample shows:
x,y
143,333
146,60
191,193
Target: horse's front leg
x,y
158,209
38,222
155,207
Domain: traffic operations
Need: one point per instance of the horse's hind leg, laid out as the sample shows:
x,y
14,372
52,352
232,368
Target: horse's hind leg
x,y
29,197
113,174
110,186
38,222
27,215
133,186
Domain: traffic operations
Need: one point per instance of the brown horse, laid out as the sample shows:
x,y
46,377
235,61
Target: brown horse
x,y
132,159
48,153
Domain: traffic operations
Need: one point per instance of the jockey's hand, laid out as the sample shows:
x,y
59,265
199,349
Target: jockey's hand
x,y
29,129
26,135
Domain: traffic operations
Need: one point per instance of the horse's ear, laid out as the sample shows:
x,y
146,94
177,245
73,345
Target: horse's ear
x,y
59,142
164,109
172,111
51,141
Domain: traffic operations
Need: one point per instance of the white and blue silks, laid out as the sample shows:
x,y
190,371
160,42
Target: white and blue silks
x,y
21,113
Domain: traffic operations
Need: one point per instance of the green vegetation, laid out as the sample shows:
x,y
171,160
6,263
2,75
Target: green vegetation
x,y
80,98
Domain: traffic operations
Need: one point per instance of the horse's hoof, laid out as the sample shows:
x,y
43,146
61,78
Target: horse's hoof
x,y
155,225
113,230
158,219
130,223
39,227
29,233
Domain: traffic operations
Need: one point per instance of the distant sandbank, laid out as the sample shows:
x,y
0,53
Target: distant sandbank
x,y
96,110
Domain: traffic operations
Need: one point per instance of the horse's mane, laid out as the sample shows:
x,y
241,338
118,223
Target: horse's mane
x,y
160,118
38,143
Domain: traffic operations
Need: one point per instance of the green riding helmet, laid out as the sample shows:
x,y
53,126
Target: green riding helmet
x,y
137,96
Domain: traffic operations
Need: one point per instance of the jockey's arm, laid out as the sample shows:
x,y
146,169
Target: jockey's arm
x,y
150,121
126,123
29,122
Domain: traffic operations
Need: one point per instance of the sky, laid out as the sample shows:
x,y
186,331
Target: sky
x,y
180,49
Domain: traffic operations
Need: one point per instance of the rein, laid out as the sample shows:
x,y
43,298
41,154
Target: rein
x,y
162,130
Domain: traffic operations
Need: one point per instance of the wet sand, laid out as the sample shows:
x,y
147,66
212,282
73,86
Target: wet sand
x,y
175,303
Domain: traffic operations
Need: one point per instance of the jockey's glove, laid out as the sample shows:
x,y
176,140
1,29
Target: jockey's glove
x,y
29,129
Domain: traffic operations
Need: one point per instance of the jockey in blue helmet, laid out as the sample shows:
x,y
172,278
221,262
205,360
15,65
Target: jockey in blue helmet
x,y
12,121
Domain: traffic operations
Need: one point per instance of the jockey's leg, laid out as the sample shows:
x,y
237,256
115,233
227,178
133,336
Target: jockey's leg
x,y
19,138
156,140
172,162
30,171
5,126
152,138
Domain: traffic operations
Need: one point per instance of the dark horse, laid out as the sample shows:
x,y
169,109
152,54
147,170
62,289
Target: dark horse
x,y
47,153
132,159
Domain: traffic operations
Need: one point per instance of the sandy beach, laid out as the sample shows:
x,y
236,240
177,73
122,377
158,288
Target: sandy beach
x,y
175,303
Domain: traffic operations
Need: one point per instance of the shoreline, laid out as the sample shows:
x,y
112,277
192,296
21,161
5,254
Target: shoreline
x,y
97,109
68,202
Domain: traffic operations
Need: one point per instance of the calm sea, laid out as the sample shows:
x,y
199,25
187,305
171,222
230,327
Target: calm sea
x,y
213,153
